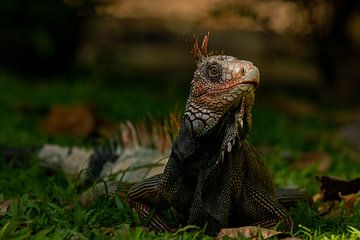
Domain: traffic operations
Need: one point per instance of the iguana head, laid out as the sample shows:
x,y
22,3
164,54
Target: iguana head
x,y
222,85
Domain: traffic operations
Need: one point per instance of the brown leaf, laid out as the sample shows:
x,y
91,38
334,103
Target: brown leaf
x,y
326,207
336,208
349,200
76,120
338,196
321,160
317,197
248,232
4,207
331,187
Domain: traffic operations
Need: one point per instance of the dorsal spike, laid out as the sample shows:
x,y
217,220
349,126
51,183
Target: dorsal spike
x,y
204,45
199,52
196,50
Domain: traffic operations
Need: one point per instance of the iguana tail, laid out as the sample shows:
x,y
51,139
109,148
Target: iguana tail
x,y
289,197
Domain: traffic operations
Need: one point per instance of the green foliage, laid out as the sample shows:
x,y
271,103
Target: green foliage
x,y
351,233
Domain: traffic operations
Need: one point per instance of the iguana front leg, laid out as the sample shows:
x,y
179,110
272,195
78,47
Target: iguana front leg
x,y
161,192
266,212
145,195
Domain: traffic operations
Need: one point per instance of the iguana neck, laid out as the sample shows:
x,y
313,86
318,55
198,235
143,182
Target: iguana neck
x,y
212,149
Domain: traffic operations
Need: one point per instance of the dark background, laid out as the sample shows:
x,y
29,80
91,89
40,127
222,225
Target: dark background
x,y
311,44
136,50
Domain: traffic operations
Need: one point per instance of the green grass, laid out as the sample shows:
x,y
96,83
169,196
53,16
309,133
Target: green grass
x,y
44,204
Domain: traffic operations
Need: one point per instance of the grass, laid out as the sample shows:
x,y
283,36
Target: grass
x,y
44,204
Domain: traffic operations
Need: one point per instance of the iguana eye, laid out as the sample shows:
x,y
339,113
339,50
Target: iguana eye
x,y
214,71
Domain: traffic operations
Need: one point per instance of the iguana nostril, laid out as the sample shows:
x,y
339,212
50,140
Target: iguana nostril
x,y
242,70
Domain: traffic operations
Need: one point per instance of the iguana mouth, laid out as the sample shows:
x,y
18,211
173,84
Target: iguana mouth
x,y
238,83
255,83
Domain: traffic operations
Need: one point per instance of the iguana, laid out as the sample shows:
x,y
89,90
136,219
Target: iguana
x,y
214,177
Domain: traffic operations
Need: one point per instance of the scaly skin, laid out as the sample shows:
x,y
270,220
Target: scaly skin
x,y
214,177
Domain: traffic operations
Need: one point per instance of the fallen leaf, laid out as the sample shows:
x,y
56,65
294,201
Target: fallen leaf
x,y
338,196
336,208
326,207
321,160
349,200
248,232
331,187
76,120
4,207
317,197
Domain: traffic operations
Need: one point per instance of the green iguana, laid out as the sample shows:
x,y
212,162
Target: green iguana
x,y
214,177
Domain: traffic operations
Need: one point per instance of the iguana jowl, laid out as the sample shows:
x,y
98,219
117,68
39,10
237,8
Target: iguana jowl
x,y
214,177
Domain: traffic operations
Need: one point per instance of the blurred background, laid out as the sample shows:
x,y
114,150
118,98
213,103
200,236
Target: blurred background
x,y
127,59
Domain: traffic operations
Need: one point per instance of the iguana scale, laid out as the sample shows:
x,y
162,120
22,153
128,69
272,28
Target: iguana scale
x,y
214,177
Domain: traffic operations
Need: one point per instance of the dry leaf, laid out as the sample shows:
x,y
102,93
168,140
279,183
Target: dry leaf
x,y
76,120
336,208
327,207
349,200
338,196
248,232
332,186
321,160
4,207
317,197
